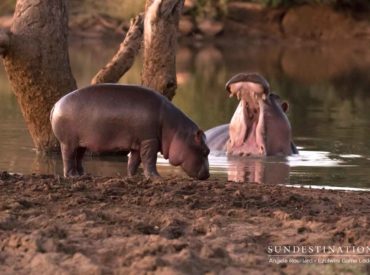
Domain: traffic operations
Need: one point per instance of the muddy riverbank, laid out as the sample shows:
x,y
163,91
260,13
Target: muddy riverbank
x,y
101,225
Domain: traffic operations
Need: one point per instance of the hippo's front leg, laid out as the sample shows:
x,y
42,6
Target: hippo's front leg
x,y
133,162
148,153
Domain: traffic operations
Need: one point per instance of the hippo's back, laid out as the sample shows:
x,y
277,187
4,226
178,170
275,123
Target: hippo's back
x,y
217,137
113,96
108,116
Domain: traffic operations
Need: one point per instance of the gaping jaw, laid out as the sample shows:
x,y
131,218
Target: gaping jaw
x,y
259,126
247,126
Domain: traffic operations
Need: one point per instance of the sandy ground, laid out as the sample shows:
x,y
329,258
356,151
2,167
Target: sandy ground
x,y
99,225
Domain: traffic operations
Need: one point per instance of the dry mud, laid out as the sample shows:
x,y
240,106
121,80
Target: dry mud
x,y
99,225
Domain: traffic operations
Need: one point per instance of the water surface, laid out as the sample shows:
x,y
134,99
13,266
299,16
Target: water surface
x,y
327,87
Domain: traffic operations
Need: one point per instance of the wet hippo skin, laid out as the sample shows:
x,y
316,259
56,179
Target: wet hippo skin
x,y
113,117
259,126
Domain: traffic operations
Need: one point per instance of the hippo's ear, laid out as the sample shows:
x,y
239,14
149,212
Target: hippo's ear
x,y
198,137
285,106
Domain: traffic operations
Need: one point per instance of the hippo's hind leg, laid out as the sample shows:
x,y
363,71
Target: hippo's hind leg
x,y
133,162
69,154
148,153
80,151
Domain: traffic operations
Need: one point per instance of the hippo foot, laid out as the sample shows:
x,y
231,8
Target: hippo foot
x,y
73,174
131,175
155,178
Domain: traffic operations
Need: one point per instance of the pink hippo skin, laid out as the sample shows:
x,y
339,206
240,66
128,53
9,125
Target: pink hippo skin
x,y
259,126
111,117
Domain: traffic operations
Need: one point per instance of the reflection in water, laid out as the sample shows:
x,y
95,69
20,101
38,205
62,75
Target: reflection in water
x,y
258,171
326,86
268,170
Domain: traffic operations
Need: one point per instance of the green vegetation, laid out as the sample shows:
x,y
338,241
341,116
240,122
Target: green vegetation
x,y
7,6
215,9
120,9
350,4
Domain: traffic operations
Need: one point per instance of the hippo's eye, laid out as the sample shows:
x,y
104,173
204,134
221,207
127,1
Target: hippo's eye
x,y
206,152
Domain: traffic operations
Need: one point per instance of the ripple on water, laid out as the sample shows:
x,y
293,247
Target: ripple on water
x,y
315,159
318,168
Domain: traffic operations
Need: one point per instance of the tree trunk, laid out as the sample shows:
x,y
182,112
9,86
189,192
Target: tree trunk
x,y
160,42
124,58
37,64
4,42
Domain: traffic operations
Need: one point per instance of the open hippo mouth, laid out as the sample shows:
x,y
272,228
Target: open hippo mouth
x,y
259,125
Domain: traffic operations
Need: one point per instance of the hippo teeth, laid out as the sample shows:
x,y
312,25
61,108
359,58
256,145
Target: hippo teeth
x,y
238,94
257,95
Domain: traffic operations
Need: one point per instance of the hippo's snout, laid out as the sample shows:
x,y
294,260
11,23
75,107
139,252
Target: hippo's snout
x,y
203,175
196,169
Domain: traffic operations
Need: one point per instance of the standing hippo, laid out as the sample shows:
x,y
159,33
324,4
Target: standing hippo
x,y
110,117
259,126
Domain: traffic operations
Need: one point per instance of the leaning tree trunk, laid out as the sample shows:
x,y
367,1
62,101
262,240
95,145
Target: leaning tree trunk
x,y
160,42
125,56
37,63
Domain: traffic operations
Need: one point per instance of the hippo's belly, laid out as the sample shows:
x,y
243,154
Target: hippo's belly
x,y
115,134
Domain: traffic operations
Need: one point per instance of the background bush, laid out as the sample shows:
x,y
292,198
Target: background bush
x,y
215,9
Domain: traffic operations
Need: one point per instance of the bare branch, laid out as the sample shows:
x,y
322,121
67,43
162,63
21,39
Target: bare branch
x,y
125,56
4,42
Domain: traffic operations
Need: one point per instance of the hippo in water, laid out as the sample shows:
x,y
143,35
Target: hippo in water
x,y
259,126
111,117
